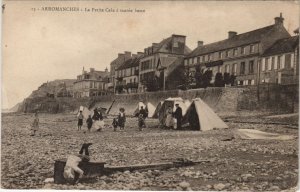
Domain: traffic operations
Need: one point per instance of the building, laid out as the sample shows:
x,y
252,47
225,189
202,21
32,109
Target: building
x,y
90,84
156,60
116,63
238,55
127,75
280,62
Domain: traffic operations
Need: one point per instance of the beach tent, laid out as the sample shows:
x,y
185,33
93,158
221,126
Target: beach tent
x,y
85,112
148,107
155,114
170,102
138,107
201,117
187,103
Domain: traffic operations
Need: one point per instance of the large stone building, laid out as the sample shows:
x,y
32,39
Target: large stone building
x,y
90,84
127,75
237,55
116,63
156,60
280,63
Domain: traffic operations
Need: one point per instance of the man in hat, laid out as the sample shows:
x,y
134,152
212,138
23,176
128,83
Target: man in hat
x,y
178,115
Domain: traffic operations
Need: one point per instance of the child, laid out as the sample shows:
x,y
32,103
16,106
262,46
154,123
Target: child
x,y
89,123
115,124
122,118
35,124
80,120
141,121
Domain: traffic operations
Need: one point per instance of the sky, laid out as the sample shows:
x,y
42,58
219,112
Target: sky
x,y
40,46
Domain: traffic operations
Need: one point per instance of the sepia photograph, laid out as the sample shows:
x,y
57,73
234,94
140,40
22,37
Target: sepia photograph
x,y
150,95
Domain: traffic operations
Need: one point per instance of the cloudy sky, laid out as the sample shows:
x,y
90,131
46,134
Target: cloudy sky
x,y
46,45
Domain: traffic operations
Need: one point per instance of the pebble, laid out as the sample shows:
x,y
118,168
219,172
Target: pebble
x,y
219,186
184,185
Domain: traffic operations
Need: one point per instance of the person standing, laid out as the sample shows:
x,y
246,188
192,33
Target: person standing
x,y
178,115
142,117
98,118
35,124
122,118
80,120
169,118
89,123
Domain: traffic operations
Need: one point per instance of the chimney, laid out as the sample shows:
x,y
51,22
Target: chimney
x,y
120,55
134,56
106,70
140,54
127,55
231,34
92,69
200,43
279,20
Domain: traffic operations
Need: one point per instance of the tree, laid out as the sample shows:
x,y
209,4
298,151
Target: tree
x,y
232,80
199,77
227,79
207,77
219,81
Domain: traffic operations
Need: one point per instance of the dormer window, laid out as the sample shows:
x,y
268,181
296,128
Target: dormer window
x,y
242,50
220,54
227,53
235,52
251,48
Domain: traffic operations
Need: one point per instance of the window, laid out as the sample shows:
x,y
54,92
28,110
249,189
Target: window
x,y
91,84
251,66
251,48
288,61
279,62
175,44
252,82
198,59
234,69
202,58
273,63
195,60
220,54
268,63
242,69
242,50
235,52
191,60
227,53
263,66
227,69
185,62
219,69
206,58
134,80
210,57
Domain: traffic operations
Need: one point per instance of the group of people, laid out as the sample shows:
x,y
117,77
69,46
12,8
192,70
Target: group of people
x,y
96,120
174,119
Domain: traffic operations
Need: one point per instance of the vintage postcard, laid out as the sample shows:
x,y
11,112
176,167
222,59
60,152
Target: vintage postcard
x,y
150,95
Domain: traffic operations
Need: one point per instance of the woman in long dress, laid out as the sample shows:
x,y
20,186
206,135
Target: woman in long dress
x,y
169,119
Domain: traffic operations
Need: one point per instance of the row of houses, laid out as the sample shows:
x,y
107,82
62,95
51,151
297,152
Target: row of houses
x,y
265,55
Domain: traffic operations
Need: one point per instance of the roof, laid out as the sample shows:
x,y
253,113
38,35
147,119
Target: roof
x,y
283,46
175,65
165,45
133,62
236,41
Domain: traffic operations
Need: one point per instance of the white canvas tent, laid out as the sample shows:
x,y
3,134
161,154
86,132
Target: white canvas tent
x,y
85,112
161,113
149,107
201,117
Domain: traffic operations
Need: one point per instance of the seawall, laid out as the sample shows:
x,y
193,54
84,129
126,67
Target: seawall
x,y
224,101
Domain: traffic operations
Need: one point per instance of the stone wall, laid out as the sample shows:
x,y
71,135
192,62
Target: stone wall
x,y
224,101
